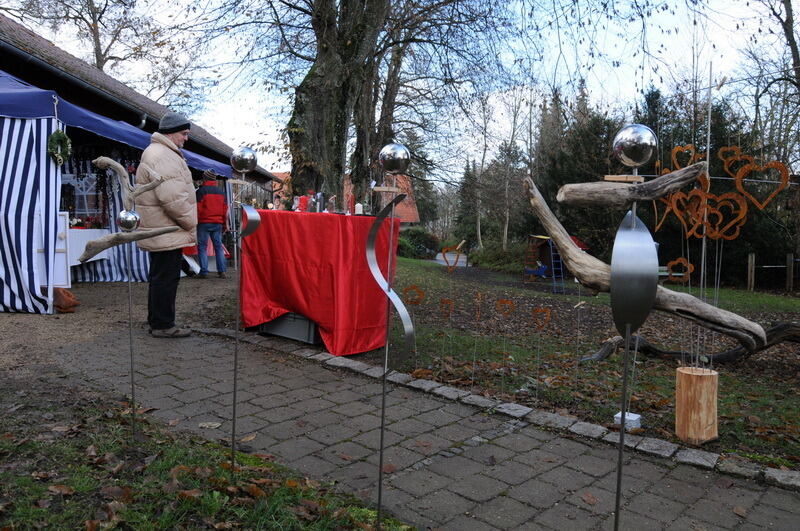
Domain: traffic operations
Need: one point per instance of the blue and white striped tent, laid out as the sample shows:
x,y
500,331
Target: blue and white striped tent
x,y
30,184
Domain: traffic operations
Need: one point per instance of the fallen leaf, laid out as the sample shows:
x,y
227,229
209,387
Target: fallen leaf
x,y
345,457
41,475
302,512
243,501
389,468
178,470
173,422
248,438
589,498
64,490
255,491
292,483
740,511
43,504
223,525
172,486
192,494
122,494
91,525
203,472
210,425
91,451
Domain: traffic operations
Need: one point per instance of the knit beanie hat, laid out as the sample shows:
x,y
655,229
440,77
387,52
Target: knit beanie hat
x,y
172,122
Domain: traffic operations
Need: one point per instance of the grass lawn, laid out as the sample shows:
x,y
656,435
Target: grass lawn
x,y
492,334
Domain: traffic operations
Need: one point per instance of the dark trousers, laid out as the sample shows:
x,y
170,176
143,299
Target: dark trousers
x,y
165,273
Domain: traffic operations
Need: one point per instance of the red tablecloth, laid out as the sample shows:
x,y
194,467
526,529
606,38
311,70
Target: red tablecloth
x,y
314,264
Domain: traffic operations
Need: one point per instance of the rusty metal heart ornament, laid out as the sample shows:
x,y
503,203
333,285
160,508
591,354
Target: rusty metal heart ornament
x,y
689,207
725,215
452,248
745,171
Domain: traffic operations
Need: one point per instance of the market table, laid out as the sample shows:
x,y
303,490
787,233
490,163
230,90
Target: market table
x,y
314,264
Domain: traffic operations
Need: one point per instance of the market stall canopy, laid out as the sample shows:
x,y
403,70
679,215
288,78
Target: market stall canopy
x,y
19,99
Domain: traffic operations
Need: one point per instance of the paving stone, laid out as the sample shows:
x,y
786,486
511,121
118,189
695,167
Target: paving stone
x,y
455,467
462,522
331,434
424,385
296,448
421,482
677,490
782,499
437,417
353,408
739,467
589,464
347,363
772,518
687,522
513,410
374,372
399,378
488,454
479,401
566,479
700,458
788,479
441,506
536,433
313,466
511,472
586,429
410,427
322,356
565,447
397,456
426,444
720,516
478,487
540,460
567,516
594,500
372,438
629,520
503,512
517,442
654,506
551,420
346,396
306,352
450,393
344,452
630,440
631,485
457,432
279,414
659,447
357,475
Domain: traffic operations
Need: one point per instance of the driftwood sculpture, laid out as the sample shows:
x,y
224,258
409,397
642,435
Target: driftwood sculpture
x,y
596,274
129,195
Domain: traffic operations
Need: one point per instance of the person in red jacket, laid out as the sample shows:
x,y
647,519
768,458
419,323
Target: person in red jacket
x,y
212,221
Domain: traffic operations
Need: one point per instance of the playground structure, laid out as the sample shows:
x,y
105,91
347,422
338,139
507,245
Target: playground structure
x,y
542,260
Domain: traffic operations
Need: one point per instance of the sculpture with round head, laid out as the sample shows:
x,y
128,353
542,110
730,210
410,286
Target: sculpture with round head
x,y
394,158
243,159
128,220
635,145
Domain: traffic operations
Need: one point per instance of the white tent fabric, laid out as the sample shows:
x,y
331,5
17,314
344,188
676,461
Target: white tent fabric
x,y
30,186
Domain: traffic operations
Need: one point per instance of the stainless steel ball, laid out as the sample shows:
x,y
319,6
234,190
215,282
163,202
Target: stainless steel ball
x,y
635,145
243,159
128,220
394,158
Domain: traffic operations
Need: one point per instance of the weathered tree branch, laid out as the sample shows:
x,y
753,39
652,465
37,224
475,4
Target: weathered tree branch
x,y
98,245
776,334
129,193
614,194
596,275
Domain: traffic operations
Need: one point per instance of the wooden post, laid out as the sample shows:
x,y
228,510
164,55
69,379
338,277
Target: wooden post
x,y
696,404
790,272
751,271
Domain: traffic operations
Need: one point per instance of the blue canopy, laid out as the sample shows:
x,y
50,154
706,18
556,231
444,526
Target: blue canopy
x,y
19,99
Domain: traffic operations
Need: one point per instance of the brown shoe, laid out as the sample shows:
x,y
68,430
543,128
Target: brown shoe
x,y
171,332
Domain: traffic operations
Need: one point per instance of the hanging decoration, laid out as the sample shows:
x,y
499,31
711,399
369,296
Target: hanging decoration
x,y
59,147
745,171
679,275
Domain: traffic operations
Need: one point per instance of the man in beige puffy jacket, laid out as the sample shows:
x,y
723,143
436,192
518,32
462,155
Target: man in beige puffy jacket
x,y
170,204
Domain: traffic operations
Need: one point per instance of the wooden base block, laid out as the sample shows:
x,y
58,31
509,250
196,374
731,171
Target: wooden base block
x,y
696,404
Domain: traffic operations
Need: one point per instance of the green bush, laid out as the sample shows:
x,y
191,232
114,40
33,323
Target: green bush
x,y
425,244
494,258
405,249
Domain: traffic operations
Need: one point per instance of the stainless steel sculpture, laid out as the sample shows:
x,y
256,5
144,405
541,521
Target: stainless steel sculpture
x,y
128,220
634,145
246,220
394,159
634,271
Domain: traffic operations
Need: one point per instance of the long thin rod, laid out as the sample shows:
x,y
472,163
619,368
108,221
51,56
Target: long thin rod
x,y
130,341
389,279
623,415
236,242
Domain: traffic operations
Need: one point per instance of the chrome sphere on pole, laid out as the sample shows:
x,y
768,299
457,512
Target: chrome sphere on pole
x,y
394,158
635,145
243,159
128,220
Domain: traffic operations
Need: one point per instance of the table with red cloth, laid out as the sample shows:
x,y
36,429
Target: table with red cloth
x,y
315,265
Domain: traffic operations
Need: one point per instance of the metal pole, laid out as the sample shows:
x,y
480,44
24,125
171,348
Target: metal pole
x,y
385,360
623,415
130,340
236,241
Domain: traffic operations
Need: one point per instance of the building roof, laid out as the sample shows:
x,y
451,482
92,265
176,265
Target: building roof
x,y
55,69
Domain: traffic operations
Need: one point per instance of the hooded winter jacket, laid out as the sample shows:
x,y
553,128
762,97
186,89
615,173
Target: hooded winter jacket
x,y
172,202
